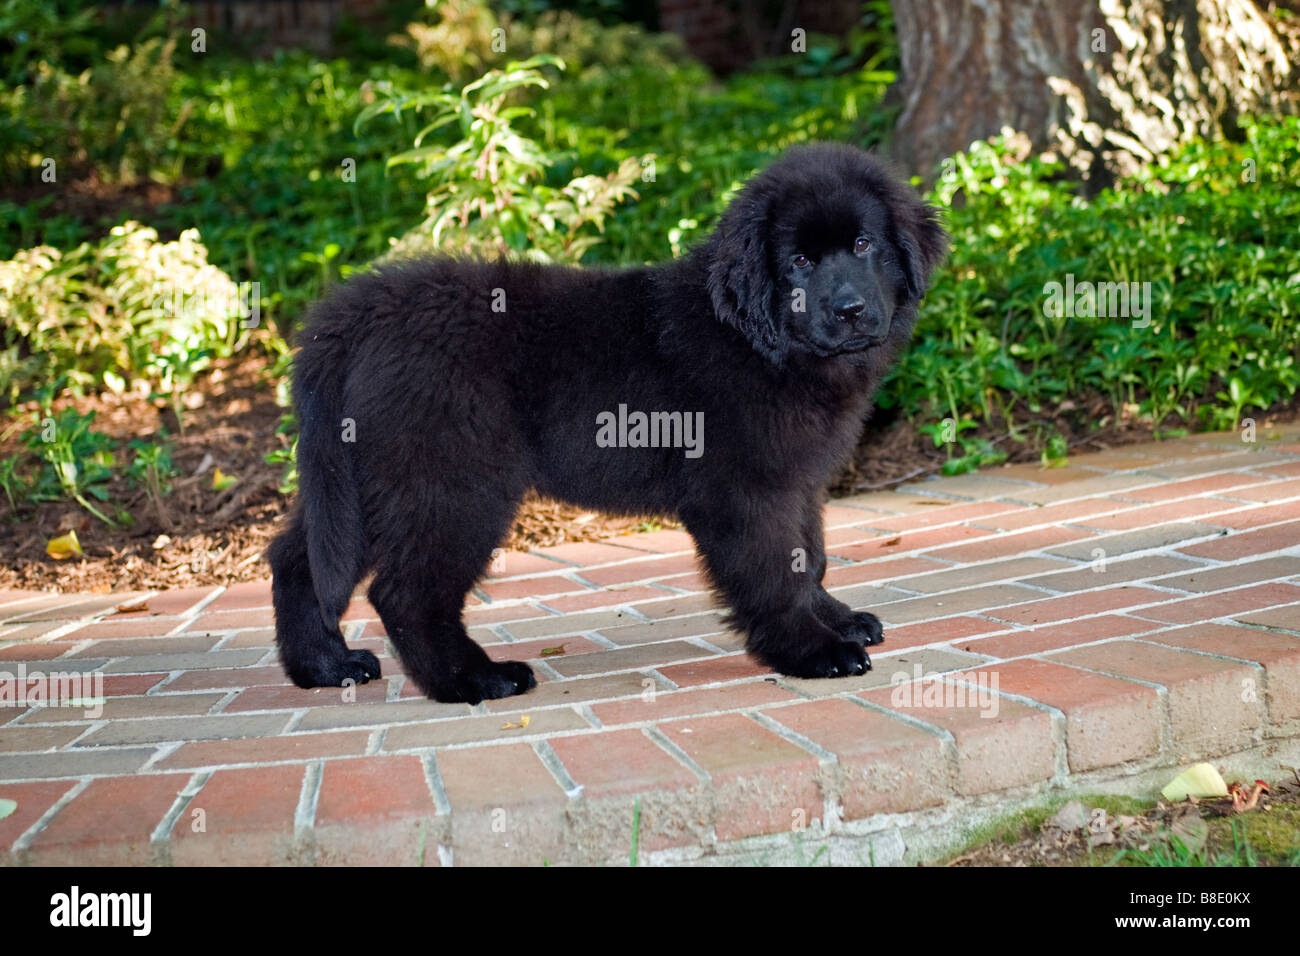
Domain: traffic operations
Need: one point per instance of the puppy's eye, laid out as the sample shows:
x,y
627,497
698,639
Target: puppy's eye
x,y
801,261
861,245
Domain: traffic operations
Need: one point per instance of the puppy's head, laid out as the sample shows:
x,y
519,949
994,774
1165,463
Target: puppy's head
x,y
823,253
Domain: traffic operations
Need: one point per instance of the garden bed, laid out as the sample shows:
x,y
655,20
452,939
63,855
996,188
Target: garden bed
x,y
203,535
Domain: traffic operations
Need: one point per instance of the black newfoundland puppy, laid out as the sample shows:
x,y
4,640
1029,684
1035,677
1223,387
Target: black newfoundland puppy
x,y
432,395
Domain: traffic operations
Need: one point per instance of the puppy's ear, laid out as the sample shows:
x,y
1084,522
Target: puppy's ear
x,y
922,243
739,274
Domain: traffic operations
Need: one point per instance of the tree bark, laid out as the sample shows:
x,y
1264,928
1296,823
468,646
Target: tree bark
x,y
1106,84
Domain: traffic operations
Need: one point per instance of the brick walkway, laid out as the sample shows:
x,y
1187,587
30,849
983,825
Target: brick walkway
x,y
1135,610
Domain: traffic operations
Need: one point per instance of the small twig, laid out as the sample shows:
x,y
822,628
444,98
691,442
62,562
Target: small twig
x,y
894,481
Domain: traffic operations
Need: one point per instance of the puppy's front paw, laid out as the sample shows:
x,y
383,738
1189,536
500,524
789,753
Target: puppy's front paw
x,y
832,659
497,679
863,628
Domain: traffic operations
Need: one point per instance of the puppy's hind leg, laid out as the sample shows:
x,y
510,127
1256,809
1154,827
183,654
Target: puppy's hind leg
x,y
311,645
424,570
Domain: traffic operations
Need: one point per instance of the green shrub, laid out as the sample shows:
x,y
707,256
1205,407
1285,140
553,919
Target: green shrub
x,y
131,308
1218,252
487,190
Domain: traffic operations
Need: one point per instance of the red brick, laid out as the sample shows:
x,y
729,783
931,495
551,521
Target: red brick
x,y
33,800
178,602
1208,485
130,685
230,677
890,544
1278,654
1008,544
695,581
109,823
479,617
125,625
1108,721
376,811
996,749
615,770
285,748
676,605
1245,544
505,806
714,670
1064,512
1285,618
1258,517
1203,580
945,629
280,697
229,620
133,646
632,571
1207,713
686,703
665,541
30,739
1081,604
573,645
884,765
1222,603
606,597
1272,491
839,575
591,553
975,511
1197,509
1035,640
359,610
761,783
246,816
35,652
530,587
509,564
246,594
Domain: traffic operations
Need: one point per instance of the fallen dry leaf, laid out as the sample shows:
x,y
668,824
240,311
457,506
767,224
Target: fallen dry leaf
x,y
64,546
524,721
1199,780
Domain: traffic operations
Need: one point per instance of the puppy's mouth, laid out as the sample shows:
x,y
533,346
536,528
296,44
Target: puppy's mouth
x,y
860,343
823,348
853,346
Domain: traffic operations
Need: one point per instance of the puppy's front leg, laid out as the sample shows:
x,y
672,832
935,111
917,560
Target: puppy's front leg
x,y
860,626
750,549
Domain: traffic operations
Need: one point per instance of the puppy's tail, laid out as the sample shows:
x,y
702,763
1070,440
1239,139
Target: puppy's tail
x,y
316,561
329,498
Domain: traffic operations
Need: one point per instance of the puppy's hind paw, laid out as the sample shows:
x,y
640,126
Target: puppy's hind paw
x,y
361,666
863,628
358,666
498,679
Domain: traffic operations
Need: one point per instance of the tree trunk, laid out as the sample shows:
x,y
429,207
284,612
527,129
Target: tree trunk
x,y
1107,84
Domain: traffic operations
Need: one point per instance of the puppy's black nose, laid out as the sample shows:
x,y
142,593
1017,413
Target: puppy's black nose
x,y
848,308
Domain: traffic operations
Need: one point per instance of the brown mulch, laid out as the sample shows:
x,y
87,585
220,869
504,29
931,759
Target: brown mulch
x,y
84,196
204,536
